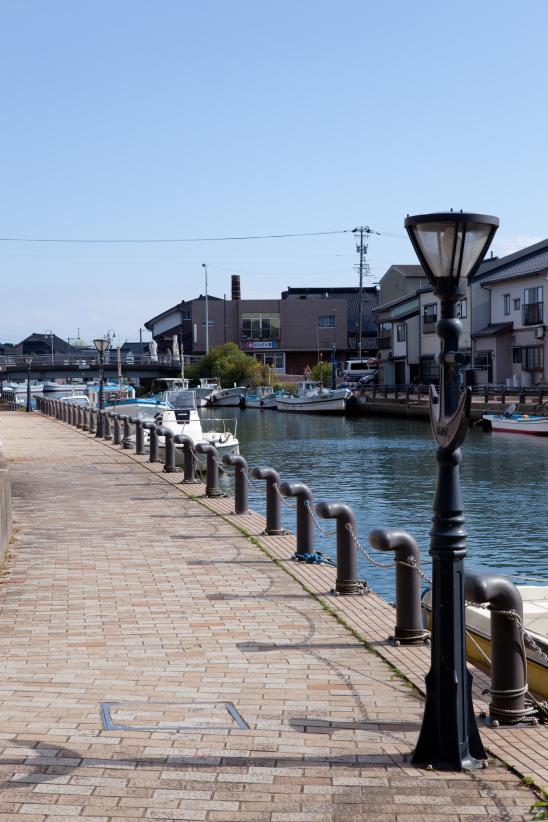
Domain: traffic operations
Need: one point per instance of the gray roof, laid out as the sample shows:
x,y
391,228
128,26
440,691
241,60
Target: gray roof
x,y
521,263
493,329
409,270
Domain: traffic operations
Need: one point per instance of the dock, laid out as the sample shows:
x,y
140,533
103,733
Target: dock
x,y
162,659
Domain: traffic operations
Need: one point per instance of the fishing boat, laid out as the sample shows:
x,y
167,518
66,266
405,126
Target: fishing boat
x,y
535,622
313,397
263,396
59,390
231,397
179,414
513,423
204,390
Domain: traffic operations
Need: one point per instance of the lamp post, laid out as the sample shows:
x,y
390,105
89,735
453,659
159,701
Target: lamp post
x,y
28,363
101,345
204,266
51,335
449,246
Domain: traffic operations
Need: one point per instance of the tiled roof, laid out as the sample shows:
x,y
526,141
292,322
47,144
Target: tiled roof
x,y
493,329
521,263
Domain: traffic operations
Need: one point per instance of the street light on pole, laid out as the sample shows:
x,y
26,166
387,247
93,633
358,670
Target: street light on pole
x,y
101,345
204,266
449,245
28,362
51,335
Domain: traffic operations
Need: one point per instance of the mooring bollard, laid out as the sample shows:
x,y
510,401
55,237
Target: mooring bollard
x,y
409,628
91,424
152,429
78,409
116,430
240,482
305,523
212,472
169,445
139,435
522,398
347,556
84,418
189,475
273,502
126,432
107,427
508,660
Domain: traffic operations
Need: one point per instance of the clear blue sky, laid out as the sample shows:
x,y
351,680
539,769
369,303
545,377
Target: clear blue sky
x,y
145,120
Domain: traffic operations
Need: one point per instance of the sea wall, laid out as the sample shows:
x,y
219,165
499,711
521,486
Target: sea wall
x,y
6,518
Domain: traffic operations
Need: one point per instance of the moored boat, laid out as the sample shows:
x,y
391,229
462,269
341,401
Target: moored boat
x,y
535,622
204,389
312,397
231,397
513,423
263,396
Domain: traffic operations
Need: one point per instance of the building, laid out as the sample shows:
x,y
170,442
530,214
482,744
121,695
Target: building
x,y
290,333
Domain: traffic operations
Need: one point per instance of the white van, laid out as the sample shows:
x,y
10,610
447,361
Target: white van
x,y
355,369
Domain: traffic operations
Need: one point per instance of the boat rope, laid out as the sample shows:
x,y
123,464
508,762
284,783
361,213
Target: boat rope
x,y
314,558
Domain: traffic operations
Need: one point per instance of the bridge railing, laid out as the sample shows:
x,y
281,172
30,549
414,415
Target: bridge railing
x,y
88,360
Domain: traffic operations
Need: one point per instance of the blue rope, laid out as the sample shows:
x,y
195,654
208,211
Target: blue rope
x,y
315,558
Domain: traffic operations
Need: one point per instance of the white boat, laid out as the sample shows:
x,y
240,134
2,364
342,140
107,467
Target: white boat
x,y
114,396
181,417
263,397
60,391
313,398
21,387
203,391
511,422
227,396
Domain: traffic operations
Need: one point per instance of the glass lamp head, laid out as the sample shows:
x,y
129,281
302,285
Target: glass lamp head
x,y
450,244
28,360
101,345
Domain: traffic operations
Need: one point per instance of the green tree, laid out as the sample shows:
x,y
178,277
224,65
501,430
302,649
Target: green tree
x,y
231,366
322,372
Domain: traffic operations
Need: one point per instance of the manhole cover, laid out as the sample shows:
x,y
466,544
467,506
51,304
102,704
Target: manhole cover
x,y
171,716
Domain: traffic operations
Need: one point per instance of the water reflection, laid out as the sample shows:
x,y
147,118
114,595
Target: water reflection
x,y
385,469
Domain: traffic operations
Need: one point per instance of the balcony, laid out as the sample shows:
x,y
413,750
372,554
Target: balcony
x,y
384,343
533,313
429,326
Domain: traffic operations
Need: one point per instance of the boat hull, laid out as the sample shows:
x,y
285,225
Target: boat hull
x,y
313,405
228,397
533,426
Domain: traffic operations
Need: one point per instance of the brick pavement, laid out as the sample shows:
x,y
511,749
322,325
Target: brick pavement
x,y
122,590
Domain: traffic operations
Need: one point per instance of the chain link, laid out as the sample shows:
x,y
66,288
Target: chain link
x,y
363,551
287,504
316,522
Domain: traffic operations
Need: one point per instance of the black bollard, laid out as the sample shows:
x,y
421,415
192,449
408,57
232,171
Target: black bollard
x,y
240,482
508,660
212,474
79,415
91,423
409,628
139,436
169,446
152,429
189,476
347,556
84,419
116,430
522,398
107,428
126,434
305,523
273,503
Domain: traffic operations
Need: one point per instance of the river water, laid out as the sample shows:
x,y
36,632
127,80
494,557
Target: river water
x,y
385,469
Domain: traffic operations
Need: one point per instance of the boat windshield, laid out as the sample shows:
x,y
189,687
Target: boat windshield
x,y
181,399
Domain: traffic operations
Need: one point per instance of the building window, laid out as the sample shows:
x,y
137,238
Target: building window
x,y
209,322
533,358
506,298
326,321
517,304
430,370
400,332
186,315
533,306
384,340
517,355
429,318
462,308
260,326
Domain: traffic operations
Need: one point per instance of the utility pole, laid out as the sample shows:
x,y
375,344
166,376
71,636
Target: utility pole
x,y
361,248
204,266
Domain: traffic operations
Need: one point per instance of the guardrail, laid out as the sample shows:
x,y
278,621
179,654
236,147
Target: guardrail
x,y
510,701
488,393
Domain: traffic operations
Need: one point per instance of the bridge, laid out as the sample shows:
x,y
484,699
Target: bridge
x,y
85,366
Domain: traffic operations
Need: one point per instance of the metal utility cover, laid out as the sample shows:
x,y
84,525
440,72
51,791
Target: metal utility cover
x,y
171,716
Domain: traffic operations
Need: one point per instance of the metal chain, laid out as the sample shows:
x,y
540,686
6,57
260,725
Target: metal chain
x,y
364,551
283,499
411,562
515,617
320,528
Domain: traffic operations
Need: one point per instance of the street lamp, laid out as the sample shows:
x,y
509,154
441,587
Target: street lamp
x,y
204,266
101,345
28,362
51,336
449,246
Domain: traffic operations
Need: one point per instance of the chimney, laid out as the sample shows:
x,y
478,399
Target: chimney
x,y
236,292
